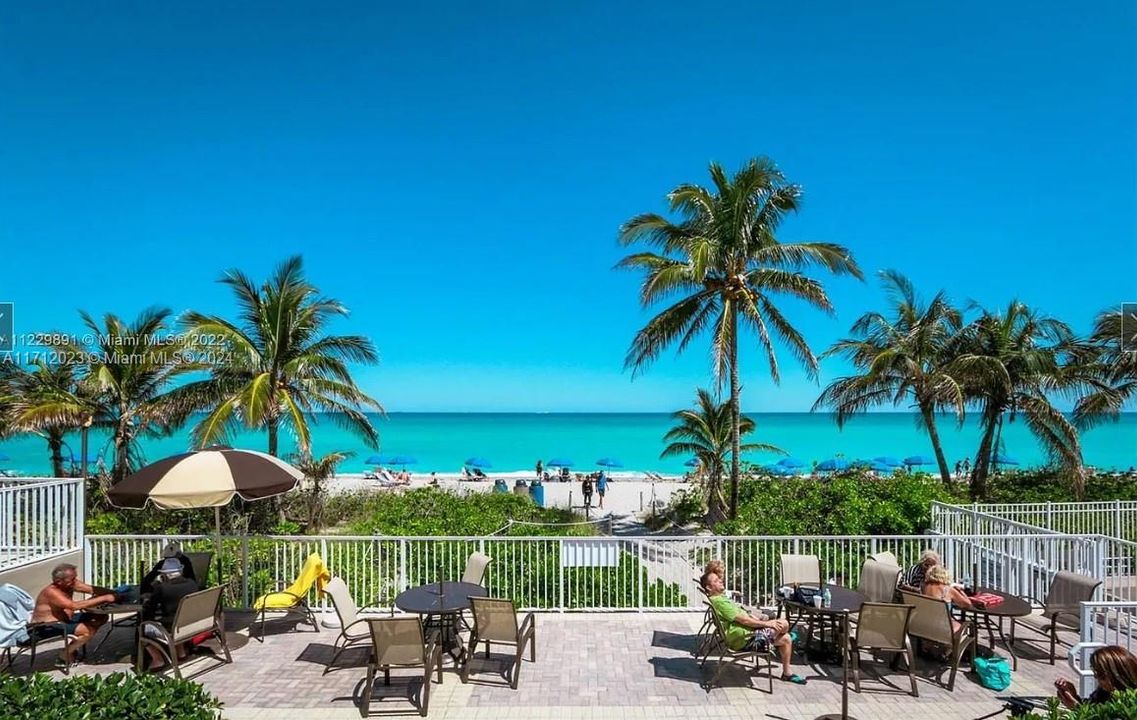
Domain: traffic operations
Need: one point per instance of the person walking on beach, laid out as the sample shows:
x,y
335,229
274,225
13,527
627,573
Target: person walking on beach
x,y
586,490
540,467
601,487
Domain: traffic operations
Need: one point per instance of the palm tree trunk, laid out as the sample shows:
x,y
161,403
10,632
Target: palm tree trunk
x,y
735,417
273,429
929,414
983,457
55,445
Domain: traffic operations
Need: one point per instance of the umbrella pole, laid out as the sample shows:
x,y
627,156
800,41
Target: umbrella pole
x,y
217,525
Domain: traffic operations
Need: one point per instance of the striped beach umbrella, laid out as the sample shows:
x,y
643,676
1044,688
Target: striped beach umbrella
x,y
205,478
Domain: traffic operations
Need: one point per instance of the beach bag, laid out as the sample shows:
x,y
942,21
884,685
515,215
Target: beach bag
x,y
994,673
804,595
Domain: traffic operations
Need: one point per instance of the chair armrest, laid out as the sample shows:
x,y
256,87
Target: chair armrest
x,y
530,621
297,599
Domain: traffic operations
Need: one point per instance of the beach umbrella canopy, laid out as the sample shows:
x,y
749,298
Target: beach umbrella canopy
x,y
887,460
919,460
693,462
781,470
205,478
834,464
609,462
478,462
882,468
1001,459
401,460
790,463
560,462
861,464
376,460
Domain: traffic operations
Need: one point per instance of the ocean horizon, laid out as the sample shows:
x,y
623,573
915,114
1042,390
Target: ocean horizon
x,y
441,441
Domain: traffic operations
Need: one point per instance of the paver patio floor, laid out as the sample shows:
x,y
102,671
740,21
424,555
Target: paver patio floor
x,y
607,665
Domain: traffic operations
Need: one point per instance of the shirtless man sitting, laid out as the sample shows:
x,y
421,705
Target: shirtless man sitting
x,y
56,604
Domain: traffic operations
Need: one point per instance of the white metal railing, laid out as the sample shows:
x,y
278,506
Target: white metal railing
x,y
1102,623
39,519
1115,518
595,573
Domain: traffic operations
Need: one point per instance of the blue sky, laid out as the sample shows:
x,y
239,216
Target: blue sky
x,y
456,173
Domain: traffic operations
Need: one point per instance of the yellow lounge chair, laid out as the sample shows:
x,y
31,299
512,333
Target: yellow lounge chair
x,y
293,599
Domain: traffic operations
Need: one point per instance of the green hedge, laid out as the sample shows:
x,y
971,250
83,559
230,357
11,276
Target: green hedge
x,y
118,696
1122,706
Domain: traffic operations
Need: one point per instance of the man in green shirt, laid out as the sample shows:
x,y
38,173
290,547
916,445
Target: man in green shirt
x,y
745,631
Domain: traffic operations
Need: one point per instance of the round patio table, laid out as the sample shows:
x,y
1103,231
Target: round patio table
x,y
125,610
442,599
843,603
992,617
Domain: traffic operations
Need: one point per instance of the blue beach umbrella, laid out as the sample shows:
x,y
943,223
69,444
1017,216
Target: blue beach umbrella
x,y
402,460
478,462
834,465
693,462
919,460
790,463
882,468
861,464
1001,459
559,462
887,460
377,460
609,462
781,470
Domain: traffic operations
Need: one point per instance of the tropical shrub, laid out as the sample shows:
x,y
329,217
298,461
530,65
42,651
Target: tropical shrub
x,y
1122,706
117,696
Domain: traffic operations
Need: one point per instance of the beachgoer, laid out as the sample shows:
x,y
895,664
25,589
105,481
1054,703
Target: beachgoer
x,y
958,468
434,479
56,604
162,606
718,568
540,467
914,578
966,466
745,631
601,486
938,585
1115,670
172,550
586,489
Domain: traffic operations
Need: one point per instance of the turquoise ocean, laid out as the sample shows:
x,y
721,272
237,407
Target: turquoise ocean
x,y
512,442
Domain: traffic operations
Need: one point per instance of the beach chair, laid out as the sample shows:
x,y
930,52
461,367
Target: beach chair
x,y
198,613
400,642
878,581
1062,608
885,557
293,599
386,479
476,565
495,621
354,631
883,627
38,634
931,620
726,656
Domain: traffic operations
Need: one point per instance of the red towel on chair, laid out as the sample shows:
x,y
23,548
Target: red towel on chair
x,y
987,599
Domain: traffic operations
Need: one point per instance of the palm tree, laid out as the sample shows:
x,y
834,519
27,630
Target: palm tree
x,y
1010,364
129,370
706,432
278,366
900,357
316,472
45,399
721,266
1111,375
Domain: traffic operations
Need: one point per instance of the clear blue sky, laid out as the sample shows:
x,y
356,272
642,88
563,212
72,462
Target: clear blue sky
x,y
456,174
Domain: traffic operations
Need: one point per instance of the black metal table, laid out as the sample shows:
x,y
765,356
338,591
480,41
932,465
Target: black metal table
x,y
992,617
128,611
843,603
442,600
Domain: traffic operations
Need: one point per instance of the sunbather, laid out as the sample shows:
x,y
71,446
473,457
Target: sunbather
x,y
56,603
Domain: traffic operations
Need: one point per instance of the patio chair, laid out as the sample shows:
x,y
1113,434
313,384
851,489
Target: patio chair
x,y
1062,608
495,621
354,631
883,627
885,557
400,642
476,566
705,637
293,599
801,570
878,581
736,657
931,620
198,613
201,562
38,634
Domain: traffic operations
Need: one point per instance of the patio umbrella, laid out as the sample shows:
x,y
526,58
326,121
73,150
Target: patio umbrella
x,y
559,462
1001,459
790,463
919,460
882,468
205,478
609,462
478,462
833,465
887,460
780,470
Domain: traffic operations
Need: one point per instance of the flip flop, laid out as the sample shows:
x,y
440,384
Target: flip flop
x,y
795,679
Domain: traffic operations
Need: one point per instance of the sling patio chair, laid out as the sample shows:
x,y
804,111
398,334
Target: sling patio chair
x,y
885,557
883,627
198,613
401,642
353,630
201,562
1062,608
878,581
495,621
931,620
39,633
742,658
705,637
476,565
801,570
294,598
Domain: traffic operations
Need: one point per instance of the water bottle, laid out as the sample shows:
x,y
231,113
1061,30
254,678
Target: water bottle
x,y
827,597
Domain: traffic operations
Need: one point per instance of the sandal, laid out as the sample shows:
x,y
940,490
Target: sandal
x,y
794,678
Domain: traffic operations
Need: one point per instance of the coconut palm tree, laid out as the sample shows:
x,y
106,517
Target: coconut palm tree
x,y
44,399
1111,375
315,492
706,432
1011,364
900,358
721,266
277,366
